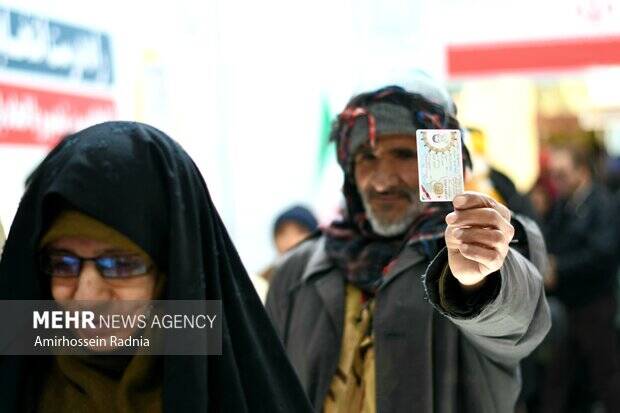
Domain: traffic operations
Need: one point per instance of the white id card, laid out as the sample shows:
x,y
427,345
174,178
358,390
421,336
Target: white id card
x,y
440,164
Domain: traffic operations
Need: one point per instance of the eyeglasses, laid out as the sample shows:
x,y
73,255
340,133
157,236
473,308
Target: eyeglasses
x,y
61,264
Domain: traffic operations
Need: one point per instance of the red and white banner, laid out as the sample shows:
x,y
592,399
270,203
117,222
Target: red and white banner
x,y
34,116
489,37
532,56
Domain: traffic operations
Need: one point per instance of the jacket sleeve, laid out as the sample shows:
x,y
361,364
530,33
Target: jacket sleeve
x,y
506,319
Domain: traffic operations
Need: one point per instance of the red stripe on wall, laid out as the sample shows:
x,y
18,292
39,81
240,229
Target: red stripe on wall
x,y
33,116
539,55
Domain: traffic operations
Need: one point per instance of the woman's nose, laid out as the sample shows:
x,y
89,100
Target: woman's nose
x,y
91,285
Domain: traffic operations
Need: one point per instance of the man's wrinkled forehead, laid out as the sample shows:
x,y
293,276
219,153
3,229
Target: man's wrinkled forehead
x,y
389,141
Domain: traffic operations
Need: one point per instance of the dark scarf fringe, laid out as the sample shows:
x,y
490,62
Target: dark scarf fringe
x,y
365,257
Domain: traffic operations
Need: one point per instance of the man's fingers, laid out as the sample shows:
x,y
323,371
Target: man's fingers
x,y
504,211
479,217
469,199
485,237
489,258
472,200
478,234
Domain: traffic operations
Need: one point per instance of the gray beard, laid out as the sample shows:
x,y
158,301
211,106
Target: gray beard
x,y
393,228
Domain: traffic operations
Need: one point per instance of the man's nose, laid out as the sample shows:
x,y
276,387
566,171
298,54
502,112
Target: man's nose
x,y
384,177
91,285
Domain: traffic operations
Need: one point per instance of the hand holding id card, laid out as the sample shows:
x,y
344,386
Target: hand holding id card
x,y
440,164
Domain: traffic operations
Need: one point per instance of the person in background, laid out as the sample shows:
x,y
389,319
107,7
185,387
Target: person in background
x,y
119,211
544,382
293,226
289,228
542,195
581,237
403,305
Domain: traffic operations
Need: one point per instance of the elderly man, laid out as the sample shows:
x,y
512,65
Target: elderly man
x,y
405,306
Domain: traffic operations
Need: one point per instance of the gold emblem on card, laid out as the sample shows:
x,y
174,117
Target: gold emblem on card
x,y
438,188
440,141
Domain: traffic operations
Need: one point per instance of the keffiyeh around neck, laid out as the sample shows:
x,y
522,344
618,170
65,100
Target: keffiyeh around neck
x,y
365,257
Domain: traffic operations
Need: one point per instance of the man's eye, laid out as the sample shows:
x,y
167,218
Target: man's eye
x,y
366,156
405,154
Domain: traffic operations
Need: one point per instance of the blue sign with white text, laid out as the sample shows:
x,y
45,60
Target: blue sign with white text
x,y
37,45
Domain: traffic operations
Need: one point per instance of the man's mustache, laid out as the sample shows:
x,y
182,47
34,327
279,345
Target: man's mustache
x,y
406,193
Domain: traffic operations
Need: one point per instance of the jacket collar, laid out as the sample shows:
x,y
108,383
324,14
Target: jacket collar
x,y
330,284
405,260
320,263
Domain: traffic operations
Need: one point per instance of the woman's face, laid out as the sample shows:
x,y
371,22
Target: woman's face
x,y
91,284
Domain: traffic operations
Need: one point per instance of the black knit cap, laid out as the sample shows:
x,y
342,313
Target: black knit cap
x,y
298,214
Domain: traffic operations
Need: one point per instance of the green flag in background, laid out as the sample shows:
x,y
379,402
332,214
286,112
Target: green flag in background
x,y
325,152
